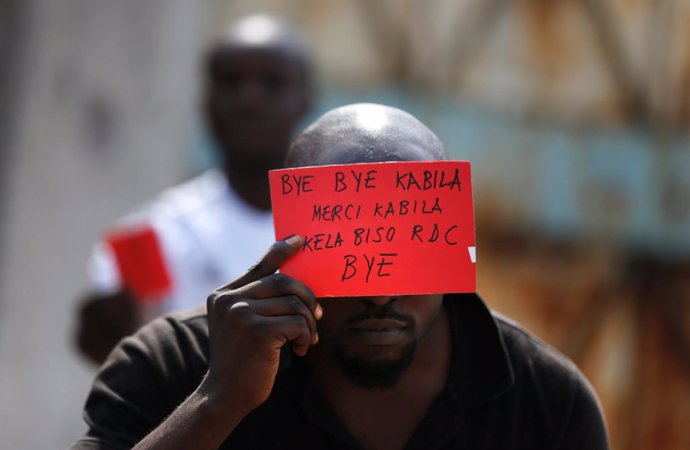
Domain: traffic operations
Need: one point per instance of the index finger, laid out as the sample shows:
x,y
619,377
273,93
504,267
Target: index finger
x,y
270,262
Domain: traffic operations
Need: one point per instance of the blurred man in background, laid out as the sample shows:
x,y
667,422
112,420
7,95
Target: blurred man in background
x,y
194,237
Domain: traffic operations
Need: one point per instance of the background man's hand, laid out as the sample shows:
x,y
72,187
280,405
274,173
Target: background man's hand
x,y
103,320
249,321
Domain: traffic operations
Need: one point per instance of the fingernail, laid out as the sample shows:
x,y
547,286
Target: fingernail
x,y
292,240
318,313
315,339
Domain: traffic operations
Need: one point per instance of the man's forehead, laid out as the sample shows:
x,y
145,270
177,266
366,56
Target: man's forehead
x,y
228,52
347,152
239,59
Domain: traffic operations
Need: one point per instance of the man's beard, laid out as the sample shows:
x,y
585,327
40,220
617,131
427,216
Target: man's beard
x,y
376,373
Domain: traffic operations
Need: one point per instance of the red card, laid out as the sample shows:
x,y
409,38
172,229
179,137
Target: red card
x,y
141,263
393,228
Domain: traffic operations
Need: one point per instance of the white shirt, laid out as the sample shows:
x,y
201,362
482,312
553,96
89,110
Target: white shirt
x,y
208,237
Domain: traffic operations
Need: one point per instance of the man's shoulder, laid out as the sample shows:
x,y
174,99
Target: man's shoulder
x,y
198,191
189,197
189,324
146,377
172,349
553,388
542,370
179,202
526,350
171,342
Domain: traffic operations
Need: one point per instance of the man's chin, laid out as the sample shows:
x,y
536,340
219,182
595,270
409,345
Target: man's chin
x,y
375,367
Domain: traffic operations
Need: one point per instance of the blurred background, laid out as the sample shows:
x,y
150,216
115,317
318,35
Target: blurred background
x,y
575,115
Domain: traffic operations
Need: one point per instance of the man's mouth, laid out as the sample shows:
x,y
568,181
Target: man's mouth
x,y
378,325
378,332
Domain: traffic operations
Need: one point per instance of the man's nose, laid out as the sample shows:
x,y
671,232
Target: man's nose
x,y
381,300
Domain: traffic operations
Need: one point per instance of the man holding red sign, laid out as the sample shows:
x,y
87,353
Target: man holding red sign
x,y
271,364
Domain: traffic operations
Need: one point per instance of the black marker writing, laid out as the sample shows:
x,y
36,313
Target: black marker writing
x,y
367,235
422,235
297,183
405,207
360,180
322,241
331,213
380,262
429,179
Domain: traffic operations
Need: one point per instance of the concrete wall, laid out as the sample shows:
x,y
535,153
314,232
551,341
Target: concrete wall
x,y
102,119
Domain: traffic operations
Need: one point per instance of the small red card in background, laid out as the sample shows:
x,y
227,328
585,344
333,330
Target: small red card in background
x,y
140,262
392,228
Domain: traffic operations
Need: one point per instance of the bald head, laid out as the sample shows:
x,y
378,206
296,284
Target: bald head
x,y
362,133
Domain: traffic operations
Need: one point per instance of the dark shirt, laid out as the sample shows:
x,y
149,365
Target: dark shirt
x,y
506,390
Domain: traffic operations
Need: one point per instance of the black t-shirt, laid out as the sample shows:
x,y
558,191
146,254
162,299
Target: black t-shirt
x,y
506,390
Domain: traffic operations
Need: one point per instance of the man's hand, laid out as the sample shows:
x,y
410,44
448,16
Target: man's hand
x,y
249,321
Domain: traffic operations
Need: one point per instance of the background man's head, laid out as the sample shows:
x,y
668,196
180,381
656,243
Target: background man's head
x,y
372,339
258,88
